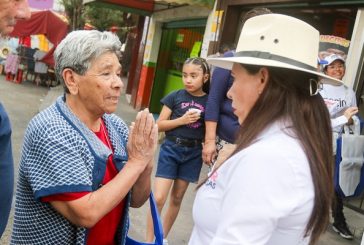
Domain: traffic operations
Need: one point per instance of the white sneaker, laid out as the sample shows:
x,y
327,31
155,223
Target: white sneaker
x,y
165,241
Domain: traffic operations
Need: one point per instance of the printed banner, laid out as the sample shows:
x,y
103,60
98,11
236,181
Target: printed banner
x,y
333,45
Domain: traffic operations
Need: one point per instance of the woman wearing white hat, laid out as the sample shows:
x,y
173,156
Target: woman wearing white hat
x,y
341,103
276,188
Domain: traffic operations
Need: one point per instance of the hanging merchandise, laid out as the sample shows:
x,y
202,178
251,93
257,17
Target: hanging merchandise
x,y
25,41
13,43
43,22
35,41
4,52
349,171
43,43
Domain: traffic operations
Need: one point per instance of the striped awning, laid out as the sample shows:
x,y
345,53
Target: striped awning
x,y
202,3
147,7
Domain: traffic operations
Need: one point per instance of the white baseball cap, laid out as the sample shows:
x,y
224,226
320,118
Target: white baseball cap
x,y
331,58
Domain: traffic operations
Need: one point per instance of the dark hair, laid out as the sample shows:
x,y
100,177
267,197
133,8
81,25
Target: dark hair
x,y
255,12
205,70
288,90
226,47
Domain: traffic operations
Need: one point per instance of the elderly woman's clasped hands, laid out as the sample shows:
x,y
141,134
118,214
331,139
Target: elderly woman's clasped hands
x,y
143,139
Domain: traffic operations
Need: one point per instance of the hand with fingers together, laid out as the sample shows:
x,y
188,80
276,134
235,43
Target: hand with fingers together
x,y
143,136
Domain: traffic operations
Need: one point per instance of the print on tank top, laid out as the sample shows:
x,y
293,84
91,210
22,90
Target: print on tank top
x,y
335,105
193,104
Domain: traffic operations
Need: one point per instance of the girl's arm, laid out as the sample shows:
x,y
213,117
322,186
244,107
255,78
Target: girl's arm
x,y
165,123
346,118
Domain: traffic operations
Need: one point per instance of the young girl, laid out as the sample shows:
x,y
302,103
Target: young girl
x,y
341,103
180,157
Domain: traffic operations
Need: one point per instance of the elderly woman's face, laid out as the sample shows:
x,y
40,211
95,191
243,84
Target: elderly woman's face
x,y
245,90
99,89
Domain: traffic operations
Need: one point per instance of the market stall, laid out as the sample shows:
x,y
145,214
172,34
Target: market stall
x,y
52,25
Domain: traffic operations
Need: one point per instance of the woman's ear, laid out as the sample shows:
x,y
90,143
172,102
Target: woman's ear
x,y
70,80
264,77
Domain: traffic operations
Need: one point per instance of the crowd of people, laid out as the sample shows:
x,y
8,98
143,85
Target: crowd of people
x,y
270,177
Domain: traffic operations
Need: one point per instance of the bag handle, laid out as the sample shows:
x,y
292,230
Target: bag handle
x,y
157,224
158,230
355,128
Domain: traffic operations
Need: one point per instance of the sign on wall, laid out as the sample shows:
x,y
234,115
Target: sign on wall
x,y
41,4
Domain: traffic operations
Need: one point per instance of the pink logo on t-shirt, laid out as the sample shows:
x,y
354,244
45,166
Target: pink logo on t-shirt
x,y
212,180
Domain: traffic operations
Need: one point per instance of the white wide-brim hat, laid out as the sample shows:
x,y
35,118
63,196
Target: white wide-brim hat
x,y
277,40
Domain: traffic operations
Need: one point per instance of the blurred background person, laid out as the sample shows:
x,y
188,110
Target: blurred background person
x,y
221,123
40,68
222,50
11,11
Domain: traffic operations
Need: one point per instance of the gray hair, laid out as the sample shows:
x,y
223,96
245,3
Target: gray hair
x,y
79,48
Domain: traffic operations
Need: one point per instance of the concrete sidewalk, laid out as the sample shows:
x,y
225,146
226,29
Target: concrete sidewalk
x,y
23,101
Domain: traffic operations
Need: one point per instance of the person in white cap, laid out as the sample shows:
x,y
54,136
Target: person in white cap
x,y
341,103
276,188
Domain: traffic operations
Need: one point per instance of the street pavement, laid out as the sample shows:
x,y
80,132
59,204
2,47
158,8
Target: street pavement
x,y
23,101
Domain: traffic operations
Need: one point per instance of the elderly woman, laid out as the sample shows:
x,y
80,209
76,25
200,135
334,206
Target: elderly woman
x,y
80,167
276,188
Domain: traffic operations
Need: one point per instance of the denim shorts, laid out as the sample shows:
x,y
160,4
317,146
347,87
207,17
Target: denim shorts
x,y
179,162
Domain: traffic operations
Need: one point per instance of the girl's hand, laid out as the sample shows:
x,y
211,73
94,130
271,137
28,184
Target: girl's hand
x,y
351,111
190,117
143,136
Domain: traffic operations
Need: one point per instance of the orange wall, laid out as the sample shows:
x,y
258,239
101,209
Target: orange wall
x,y
145,86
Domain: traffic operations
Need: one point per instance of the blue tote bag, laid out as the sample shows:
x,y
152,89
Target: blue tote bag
x,y
158,230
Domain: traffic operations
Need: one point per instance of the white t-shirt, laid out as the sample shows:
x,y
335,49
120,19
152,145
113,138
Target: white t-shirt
x,y
337,100
262,195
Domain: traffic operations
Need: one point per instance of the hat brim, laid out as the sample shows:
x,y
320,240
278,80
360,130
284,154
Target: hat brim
x,y
227,63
